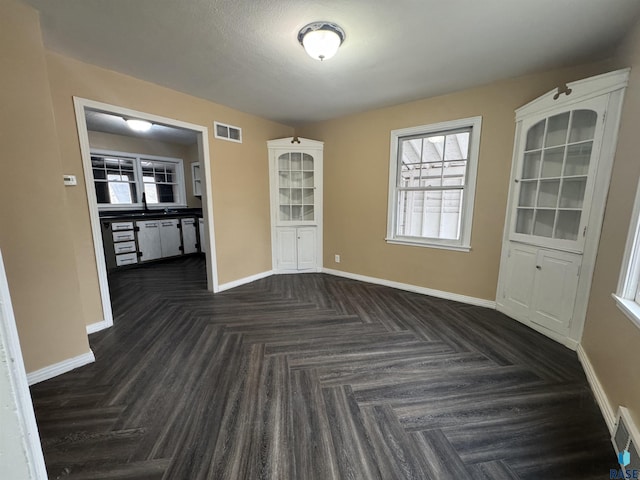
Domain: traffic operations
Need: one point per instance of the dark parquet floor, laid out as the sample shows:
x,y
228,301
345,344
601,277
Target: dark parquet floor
x,y
315,377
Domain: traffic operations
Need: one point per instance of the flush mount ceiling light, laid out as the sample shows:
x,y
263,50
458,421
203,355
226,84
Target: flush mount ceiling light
x,y
321,40
138,125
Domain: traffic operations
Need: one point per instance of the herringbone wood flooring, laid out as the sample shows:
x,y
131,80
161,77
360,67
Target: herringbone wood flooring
x,y
315,377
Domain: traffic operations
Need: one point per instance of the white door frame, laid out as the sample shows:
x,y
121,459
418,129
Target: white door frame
x,y
207,204
22,427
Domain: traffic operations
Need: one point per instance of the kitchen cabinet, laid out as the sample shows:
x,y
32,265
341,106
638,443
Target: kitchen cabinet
x,y
149,240
201,236
159,239
563,154
295,179
170,241
119,241
139,241
189,236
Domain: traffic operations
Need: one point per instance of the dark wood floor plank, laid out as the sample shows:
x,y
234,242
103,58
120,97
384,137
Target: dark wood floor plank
x,y
354,454
315,377
312,444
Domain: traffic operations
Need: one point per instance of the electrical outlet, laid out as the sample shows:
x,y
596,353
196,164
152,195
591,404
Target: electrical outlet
x,y
337,258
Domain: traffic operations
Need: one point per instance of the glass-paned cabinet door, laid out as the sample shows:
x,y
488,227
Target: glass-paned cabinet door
x,y
296,187
555,177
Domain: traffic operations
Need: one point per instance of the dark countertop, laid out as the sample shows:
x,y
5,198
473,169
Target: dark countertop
x,y
151,214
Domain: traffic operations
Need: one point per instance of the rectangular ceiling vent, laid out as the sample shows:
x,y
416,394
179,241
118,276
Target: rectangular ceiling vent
x,y
625,438
227,132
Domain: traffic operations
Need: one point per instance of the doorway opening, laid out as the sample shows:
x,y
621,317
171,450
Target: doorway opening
x,y
144,179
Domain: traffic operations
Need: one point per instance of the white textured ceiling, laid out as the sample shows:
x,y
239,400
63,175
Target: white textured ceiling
x,y
245,54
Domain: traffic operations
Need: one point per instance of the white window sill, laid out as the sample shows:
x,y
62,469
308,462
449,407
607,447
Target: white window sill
x,y
630,308
441,246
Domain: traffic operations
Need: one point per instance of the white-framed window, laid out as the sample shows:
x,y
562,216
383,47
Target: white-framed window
x,y
432,180
627,295
121,179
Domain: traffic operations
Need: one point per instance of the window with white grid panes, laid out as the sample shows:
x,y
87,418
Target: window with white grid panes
x,y
120,180
431,182
115,180
554,174
296,188
160,181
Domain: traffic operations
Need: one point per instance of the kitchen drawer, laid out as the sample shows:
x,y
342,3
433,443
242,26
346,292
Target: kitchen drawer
x,y
124,247
126,259
123,236
115,226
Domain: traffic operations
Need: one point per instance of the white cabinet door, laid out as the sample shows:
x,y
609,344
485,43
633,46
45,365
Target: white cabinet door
x,y
189,240
149,239
306,248
170,237
201,234
554,291
287,252
520,275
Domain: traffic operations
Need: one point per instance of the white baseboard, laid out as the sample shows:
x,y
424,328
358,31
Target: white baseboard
x,y
480,302
242,281
61,367
596,387
96,327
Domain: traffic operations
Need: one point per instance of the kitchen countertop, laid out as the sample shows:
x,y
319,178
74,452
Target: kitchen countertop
x,y
151,214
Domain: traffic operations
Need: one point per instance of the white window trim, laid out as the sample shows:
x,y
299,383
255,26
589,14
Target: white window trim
x,y
464,243
182,203
628,282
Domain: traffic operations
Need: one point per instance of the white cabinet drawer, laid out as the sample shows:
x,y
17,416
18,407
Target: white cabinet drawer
x,y
124,247
115,226
123,236
126,259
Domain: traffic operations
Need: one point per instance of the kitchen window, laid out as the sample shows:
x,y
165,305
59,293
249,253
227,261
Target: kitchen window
x,y
432,177
121,180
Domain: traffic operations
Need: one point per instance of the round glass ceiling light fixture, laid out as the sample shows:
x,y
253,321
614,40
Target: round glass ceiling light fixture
x,y
138,125
321,40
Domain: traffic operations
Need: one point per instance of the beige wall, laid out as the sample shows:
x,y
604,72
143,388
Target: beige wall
x,y
36,237
124,143
356,172
610,340
240,171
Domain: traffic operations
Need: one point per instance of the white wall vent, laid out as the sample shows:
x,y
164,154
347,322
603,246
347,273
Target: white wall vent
x,y
626,437
227,132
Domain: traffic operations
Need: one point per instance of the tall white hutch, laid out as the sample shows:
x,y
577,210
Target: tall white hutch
x,y
563,154
295,178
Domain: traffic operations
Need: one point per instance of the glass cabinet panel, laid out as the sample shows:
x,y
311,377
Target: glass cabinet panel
x,y
296,187
557,127
583,125
552,162
578,157
553,175
531,164
535,136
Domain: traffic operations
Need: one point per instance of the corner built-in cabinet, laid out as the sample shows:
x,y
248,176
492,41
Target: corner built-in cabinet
x,y
295,172
564,147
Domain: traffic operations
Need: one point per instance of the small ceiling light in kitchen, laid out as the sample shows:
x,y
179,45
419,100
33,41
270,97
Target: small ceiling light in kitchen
x,y
321,40
138,125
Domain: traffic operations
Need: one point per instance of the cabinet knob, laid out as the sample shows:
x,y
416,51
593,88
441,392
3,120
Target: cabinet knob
x,y
538,267
517,181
